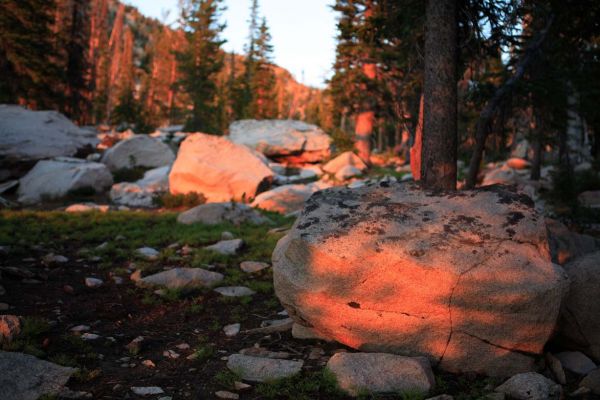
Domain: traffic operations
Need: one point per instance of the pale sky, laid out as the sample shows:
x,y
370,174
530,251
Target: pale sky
x,y
303,32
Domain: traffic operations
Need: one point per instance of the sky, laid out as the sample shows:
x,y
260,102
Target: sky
x,y
303,32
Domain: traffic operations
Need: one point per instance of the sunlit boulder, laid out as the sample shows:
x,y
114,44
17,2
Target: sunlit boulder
x,y
287,141
56,178
464,278
219,169
287,198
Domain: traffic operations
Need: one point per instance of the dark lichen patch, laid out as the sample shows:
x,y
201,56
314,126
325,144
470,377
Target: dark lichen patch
x,y
417,253
311,221
374,230
339,218
513,218
511,232
384,184
310,208
354,304
508,195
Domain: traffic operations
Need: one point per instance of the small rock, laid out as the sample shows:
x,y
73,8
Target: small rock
x,y
182,278
90,336
580,392
10,327
258,369
576,362
223,394
264,353
148,253
305,333
381,373
235,291
136,275
148,363
183,346
171,354
253,266
227,235
117,280
80,328
93,283
135,346
232,329
592,381
52,258
147,390
227,247
68,289
241,385
530,386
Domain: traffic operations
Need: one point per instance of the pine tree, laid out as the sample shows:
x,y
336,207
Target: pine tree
x,y
201,62
262,83
27,53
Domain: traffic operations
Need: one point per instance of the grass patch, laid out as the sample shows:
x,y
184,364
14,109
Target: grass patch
x,y
30,339
226,379
179,201
304,386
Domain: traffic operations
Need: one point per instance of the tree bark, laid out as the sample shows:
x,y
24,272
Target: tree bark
x,y
416,149
438,157
365,122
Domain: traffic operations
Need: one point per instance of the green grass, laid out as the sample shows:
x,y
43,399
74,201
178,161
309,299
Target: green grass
x,y
30,338
176,201
83,232
304,386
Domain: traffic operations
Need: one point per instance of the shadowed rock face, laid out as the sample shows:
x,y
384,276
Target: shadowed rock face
x,y
463,278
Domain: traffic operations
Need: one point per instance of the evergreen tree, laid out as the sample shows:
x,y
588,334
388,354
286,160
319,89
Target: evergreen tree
x,y
27,53
255,93
201,62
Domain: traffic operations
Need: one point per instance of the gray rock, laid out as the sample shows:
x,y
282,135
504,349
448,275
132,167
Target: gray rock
x,y
231,329
217,213
142,192
576,362
227,236
146,390
347,172
227,247
24,377
592,381
138,151
93,283
530,386
258,369
148,252
556,368
10,327
235,291
288,198
566,245
223,394
35,135
55,178
182,278
381,373
253,266
348,269
579,323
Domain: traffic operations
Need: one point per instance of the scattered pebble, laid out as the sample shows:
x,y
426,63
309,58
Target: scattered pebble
x,y
68,289
148,252
253,266
54,259
90,336
80,328
223,394
146,391
227,247
241,385
235,291
93,283
148,363
226,235
183,346
232,329
135,346
258,369
171,354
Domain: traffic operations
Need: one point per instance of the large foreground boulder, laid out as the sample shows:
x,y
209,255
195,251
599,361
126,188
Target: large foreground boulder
x,y
579,323
35,135
219,169
53,179
464,278
138,151
283,140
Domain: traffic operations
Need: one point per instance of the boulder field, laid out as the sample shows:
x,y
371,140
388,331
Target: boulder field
x,y
463,278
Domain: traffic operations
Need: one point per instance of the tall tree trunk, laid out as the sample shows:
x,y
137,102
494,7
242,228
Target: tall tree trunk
x,y
438,158
365,121
415,150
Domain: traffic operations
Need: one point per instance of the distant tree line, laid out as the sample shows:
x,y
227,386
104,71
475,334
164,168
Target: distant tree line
x,y
101,61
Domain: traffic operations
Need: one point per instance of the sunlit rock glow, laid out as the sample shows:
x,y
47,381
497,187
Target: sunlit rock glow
x,y
462,278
